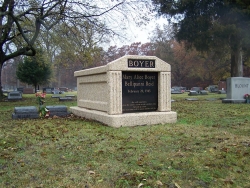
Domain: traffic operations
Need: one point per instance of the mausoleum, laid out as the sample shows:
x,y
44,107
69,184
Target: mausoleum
x,y
129,91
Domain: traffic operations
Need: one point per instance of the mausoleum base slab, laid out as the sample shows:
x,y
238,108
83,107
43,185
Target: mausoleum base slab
x,y
127,119
233,100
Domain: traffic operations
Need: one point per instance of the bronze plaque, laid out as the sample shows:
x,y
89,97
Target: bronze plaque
x,y
139,91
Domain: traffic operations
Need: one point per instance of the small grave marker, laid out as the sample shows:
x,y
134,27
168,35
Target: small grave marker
x,y
65,99
26,112
70,96
55,96
28,90
58,110
20,89
211,99
203,92
193,93
15,95
191,99
222,92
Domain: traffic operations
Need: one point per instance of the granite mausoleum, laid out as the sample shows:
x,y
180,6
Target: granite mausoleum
x,y
130,91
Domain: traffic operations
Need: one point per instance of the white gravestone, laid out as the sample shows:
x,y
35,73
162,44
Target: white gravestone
x,y
237,87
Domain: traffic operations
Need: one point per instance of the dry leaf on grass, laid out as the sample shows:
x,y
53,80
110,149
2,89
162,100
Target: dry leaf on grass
x,y
141,184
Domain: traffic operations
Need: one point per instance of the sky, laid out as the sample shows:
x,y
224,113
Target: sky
x,y
143,34
123,20
140,34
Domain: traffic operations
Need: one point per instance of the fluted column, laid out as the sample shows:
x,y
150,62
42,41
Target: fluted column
x,y
164,89
115,92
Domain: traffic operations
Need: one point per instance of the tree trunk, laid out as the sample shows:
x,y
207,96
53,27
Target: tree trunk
x,y
1,91
236,64
236,57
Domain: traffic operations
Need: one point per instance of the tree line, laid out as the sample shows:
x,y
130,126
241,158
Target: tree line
x,y
188,67
205,41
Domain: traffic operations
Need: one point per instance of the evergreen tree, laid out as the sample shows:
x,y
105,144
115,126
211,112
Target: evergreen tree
x,y
34,71
218,25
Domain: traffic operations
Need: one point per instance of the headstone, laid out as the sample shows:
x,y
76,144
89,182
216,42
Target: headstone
x,y
27,112
5,92
197,89
58,110
28,91
211,99
212,88
20,89
204,92
70,96
176,92
65,89
222,92
130,91
222,85
55,96
193,93
48,90
65,99
237,87
57,91
191,99
15,95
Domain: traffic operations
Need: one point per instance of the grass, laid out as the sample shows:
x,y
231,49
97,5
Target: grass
x,y
209,146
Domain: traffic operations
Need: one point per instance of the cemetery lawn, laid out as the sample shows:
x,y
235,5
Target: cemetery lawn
x,y
209,146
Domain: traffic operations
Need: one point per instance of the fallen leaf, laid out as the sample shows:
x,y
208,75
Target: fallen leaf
x,y
139,163
141,184
139,172
91,172
159,183
176,184
2,172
